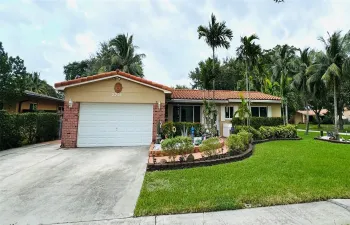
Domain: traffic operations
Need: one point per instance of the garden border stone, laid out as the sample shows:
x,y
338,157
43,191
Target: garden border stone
x,y
211,162
331,141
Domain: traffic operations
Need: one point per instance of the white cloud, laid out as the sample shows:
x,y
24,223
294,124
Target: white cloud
x,y
65,45
71,4
86,43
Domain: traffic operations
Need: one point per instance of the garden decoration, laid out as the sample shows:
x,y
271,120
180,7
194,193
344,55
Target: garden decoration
x,y
159,131
192,133
184,131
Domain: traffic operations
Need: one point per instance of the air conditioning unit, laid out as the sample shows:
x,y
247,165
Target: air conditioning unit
x,y
226,129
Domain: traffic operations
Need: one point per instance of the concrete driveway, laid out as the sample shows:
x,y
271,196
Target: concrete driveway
x,y
43,184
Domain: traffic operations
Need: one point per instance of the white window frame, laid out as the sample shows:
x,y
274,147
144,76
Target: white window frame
x,y
227,109
257,106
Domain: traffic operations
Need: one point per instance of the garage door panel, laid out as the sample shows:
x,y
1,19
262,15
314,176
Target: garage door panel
x,y
102,124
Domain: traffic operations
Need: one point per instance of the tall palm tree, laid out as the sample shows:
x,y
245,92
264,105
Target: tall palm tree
x,y
243,111
299,82
334,64
282,70
215,35
249,52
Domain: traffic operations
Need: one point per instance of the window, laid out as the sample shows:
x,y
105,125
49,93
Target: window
x,y
260,111
32,106
229,112
1,106
60,108
186,114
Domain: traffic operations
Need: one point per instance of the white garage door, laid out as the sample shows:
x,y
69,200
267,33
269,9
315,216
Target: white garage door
x,y
105,124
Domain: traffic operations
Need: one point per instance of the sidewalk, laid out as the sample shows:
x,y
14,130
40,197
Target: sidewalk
x,y
325,132
336,211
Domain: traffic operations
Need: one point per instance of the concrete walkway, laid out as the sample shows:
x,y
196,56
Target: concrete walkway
x,y
324,132
336,211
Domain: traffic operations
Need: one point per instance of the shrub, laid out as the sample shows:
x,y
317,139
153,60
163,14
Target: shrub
x,y
210,146
288,131
235,144
256,134
246,137
168,126
27,128
257,122
177,146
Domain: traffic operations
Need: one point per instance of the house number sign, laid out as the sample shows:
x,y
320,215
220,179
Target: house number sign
x,y
118,87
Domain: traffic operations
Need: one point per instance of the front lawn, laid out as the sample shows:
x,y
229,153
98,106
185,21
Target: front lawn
x,y
279,172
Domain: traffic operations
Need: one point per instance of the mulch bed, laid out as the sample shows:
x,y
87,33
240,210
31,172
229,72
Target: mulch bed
x,y
210,162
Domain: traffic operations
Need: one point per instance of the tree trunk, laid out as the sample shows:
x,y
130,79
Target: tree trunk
x,y
247,88
284,121
336,124
307,119
341,123
286,106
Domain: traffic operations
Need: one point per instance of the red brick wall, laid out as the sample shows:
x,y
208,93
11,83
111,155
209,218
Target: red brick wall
x,y
158,115
70,125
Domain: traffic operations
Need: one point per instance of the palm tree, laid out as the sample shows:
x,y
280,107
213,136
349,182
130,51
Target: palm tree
x,y
249,52
299,82
215,35
120,53
282,69
35,84
334,64
243,111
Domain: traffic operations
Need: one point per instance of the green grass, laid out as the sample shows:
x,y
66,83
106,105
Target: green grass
x,y
279,172
324,127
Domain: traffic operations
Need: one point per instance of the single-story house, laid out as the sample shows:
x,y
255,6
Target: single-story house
x,y
32,102
119,109
300,115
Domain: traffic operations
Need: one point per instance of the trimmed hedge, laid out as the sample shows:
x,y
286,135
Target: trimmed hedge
x,y
288,131
257,122
256,134
27,128
167,128
177,146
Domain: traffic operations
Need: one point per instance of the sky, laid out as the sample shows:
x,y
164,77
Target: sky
x,y
49,34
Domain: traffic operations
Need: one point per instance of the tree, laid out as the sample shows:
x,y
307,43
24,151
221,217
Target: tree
x,y
299,82
334,64
35,84
74,69
204,75
180,86
282,71
248,52
243,111
117,53
215,35
12,77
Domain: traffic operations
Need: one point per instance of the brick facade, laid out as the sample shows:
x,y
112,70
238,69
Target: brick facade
x,y
70,125
158,115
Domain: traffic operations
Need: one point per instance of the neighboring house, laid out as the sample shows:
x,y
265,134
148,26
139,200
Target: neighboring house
x,y
119,109
300,115
35,102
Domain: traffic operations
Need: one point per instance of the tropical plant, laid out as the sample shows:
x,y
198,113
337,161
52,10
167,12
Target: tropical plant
x,y
283,59
210,114
334,64
299,82
35,84
210,146
215,35
248,52
243,111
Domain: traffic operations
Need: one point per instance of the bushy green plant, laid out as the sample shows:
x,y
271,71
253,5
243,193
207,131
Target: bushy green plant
x,y
235,144
256,134
27,128
288,131
257,122
246,137
210,146
177,146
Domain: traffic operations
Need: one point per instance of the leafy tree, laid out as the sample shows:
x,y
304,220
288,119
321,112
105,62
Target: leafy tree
x,y
12,77
215,35
204,75
334,64
74,69
179,86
